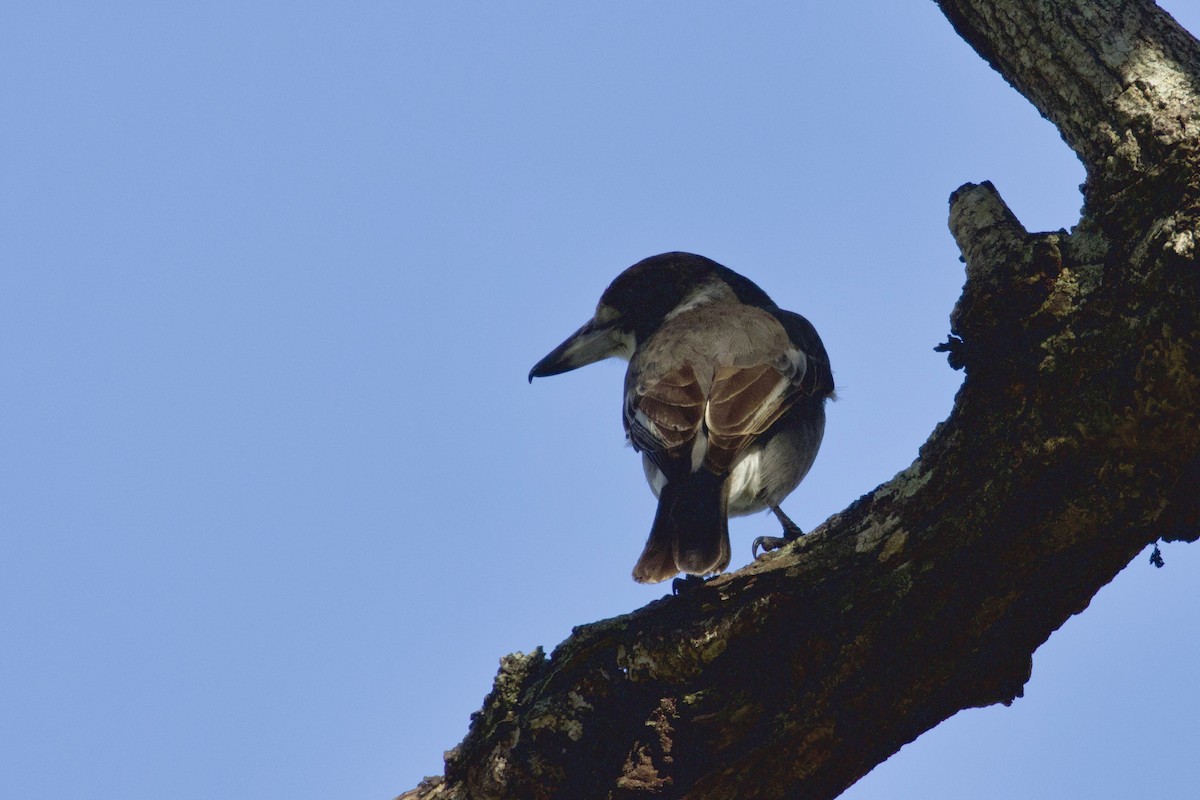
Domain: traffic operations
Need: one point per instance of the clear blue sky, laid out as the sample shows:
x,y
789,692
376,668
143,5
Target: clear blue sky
x,y
274,493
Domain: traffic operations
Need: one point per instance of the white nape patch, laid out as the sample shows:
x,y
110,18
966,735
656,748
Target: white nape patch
x,y
716,289
746,483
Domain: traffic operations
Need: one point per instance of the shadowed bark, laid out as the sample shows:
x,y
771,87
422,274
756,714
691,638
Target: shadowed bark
x,y
1074,442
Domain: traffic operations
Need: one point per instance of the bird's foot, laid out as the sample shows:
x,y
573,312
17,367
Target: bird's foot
x,y
791,532
687,584
766,544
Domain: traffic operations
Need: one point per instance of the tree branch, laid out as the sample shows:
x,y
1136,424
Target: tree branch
x,y
1114,77
1073,443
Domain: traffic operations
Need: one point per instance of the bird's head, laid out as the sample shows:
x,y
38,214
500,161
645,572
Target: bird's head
x,y
639,300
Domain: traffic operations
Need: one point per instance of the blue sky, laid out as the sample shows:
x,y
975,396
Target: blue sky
x,y
275,495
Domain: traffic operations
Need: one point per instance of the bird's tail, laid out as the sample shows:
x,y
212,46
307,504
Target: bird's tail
x,y
690,532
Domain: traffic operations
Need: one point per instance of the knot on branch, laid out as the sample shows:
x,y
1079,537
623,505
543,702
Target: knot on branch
x,y
1012,280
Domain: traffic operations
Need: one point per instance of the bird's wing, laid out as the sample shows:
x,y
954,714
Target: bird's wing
x,y
743,403
816,378
762,364
678,428
663,418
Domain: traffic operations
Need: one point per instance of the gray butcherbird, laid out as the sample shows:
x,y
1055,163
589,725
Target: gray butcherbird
x,y
724,398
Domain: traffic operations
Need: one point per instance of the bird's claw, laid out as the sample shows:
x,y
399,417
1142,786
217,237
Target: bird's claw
x,y
767,543
791,532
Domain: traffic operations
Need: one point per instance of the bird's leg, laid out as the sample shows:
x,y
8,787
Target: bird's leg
x,y
791,532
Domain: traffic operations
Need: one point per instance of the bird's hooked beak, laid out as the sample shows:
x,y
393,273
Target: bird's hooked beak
x,y
595,341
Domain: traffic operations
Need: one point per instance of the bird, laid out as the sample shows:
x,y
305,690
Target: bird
x,y
724,399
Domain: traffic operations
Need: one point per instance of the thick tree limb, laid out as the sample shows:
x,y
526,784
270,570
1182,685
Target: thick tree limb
x,y
1073,443
1118,79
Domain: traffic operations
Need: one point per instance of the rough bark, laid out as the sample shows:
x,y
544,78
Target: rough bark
x,y
1073,443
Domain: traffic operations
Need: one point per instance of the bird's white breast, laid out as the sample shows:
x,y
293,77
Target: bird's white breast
x,y
747,484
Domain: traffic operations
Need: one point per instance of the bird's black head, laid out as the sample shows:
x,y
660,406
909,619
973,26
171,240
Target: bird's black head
x,y
646,293
635,304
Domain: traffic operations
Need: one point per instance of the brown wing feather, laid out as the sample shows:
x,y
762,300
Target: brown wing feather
x,y
675,407
742,404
